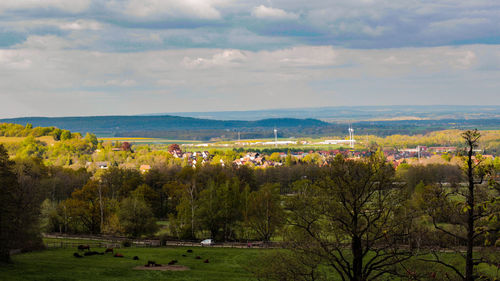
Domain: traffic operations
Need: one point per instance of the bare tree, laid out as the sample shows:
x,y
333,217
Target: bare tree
x,y
467,211
351,220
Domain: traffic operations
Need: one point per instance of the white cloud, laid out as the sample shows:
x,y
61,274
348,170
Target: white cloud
x,y
170,80
80,25
45,42
224,58
71,6
121,83
168,9
263,12
12,59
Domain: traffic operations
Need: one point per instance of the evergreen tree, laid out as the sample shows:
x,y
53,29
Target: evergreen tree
x,y
8,186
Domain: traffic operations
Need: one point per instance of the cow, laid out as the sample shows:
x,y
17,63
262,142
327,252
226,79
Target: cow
x,y
117,255
109,250
77,255
83,247
91,253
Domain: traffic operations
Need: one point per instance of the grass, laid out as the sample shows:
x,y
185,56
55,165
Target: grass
x,y
45,139
147,140
59,264
225,264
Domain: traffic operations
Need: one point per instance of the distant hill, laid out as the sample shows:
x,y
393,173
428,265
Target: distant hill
x,y
359,113
189,128
118,125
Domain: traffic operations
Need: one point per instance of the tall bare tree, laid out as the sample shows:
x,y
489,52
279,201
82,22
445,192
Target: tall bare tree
x,y
466,208
351,220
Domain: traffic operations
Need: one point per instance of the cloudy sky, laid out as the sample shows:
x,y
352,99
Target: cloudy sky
x,y
102,57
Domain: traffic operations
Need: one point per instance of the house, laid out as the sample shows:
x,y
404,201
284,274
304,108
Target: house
x,y
102,165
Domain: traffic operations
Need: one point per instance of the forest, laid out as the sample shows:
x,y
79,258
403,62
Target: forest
x,y
188,128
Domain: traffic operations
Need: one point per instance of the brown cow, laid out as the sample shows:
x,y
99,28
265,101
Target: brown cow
x,y
84,247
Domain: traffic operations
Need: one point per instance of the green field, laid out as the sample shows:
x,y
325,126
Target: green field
x,y
224,264
145,140
59,264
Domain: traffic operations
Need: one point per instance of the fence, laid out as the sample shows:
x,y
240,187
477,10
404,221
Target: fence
x,y
76,244
108,242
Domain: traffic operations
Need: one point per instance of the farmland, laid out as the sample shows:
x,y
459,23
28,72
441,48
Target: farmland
x,y
45,139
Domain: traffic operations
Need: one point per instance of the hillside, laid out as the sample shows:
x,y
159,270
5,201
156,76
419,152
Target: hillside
x,y
359,113
111,125
189,128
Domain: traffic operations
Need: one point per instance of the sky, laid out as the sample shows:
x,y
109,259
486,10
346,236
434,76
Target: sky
x,y
124,57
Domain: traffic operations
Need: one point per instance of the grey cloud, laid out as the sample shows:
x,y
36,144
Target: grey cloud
x,y
236,79
207,23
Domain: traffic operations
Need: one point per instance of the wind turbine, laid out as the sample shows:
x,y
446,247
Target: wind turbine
x,y
351,136
275,137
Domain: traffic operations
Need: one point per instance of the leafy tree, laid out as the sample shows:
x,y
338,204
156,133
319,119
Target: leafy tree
x,y
65,135
174,147
31,147
9,187
88,206
126,146
92,139
265,214
275,156
288,159
136,217
20,197
219,208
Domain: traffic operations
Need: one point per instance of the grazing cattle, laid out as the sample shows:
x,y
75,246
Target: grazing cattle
x,y
117,255
77,255
172,262
84,247
151,264
184,255
205,261
92,253
198,258
109,250
189,251
136,258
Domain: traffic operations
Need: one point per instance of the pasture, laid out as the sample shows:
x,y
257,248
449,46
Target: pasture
x,y
59,264
223,264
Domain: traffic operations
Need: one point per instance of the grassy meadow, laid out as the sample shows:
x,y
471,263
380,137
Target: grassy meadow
x,y
224,264
59,264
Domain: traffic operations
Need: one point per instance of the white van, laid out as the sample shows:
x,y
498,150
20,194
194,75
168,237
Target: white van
x,y
207,242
